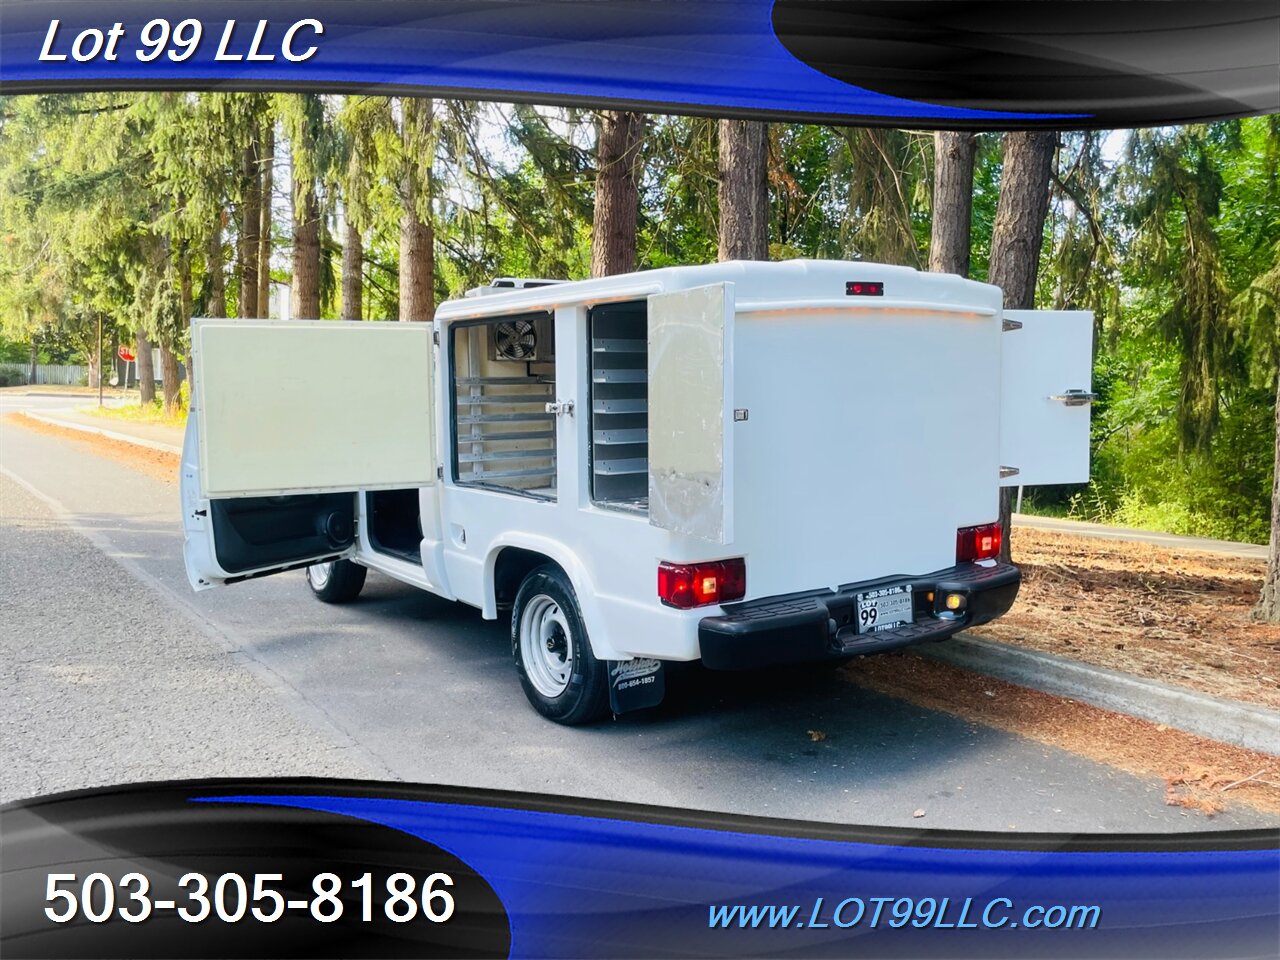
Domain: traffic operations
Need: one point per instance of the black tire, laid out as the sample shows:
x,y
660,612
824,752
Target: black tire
x,y
342,585
585,696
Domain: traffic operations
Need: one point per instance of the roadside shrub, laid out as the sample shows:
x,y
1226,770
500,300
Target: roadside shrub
x,y
1144,480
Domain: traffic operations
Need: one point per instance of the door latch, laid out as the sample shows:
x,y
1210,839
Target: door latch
x,y
1074,398
561,408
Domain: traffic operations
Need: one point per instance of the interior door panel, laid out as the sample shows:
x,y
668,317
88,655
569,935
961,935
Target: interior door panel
x,y
255,532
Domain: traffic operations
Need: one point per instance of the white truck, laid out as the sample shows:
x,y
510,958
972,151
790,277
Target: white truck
x,y
744,463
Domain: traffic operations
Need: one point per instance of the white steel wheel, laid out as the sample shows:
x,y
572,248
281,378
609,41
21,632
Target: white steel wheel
x,y
558,670
319,575
546,646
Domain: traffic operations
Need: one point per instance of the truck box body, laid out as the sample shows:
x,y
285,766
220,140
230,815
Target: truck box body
x,y
828,424
861,455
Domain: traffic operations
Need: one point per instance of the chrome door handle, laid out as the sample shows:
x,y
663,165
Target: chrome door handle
x,y
561,408
1074,398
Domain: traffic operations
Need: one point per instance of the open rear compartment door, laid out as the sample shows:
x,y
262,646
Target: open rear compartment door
x,y
289,419
1046,371
691,412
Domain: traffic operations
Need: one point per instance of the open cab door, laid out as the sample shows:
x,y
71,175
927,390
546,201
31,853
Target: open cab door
x,y
691,412
1046,371
289,419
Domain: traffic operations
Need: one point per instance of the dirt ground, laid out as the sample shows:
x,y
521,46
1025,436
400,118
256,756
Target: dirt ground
x,y
1202,776
1179,616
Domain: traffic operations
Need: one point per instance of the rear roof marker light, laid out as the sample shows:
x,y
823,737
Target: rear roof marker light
x,y
863,288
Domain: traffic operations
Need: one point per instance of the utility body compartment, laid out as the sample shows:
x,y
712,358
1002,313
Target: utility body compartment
x,y
824,429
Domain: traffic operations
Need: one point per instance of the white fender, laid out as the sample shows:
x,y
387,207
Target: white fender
x,y
578,577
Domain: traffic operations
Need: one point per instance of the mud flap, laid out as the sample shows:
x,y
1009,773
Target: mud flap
x,y
635,684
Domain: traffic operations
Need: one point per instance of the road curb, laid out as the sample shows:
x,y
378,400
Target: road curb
x,y
1167,541
1229,721
102,432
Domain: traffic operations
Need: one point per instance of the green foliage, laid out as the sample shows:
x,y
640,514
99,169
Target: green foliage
x,y
1175,244
1150,484
12,351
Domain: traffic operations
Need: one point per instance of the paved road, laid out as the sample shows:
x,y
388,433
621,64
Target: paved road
x,y
121,673
53,400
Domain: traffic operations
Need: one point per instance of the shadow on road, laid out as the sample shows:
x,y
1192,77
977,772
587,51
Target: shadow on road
x,y
805,721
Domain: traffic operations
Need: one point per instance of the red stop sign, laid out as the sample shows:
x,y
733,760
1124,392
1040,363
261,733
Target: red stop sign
x,y
125,353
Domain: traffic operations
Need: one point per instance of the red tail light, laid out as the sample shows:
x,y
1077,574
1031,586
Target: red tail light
x,y
686,585
978,543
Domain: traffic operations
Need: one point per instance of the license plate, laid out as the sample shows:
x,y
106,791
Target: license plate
x,y
884,609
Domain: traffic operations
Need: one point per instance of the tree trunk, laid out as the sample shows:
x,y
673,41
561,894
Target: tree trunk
x,y
352,273
170,379
250,227
1018,233
305,295
217,279
267,164
95,359
417,237
617,199
744,190
1268,607
35,361
1016,239
952,202
185,309
146,370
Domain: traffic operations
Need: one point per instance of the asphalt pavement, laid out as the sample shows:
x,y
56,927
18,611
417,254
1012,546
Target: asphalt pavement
x,y
114,671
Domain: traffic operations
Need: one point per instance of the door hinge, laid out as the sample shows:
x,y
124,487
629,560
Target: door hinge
x,y
1074,398
1007,472
561,408
435,337
440,472
1007,325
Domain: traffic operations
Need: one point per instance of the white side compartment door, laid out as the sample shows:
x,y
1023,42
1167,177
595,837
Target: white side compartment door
x,y
289,419
691,412
1046,372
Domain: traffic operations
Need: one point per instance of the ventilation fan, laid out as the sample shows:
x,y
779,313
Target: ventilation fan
x,y
515,340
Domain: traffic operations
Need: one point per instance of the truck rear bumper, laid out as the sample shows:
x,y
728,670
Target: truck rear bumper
x,y
822,624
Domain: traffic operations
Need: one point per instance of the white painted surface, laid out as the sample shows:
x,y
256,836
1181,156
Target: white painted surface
x,y
1045,439
312,406
870,439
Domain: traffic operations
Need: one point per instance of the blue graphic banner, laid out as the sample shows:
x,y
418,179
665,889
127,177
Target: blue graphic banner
x,y
992,64
313,868
581,885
